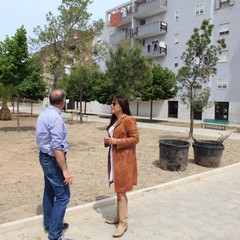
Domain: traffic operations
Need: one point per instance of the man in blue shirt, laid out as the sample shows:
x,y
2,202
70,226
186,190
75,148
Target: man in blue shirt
x,y
51,138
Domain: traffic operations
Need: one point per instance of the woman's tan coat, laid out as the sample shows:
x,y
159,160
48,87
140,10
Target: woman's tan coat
x,y
124,154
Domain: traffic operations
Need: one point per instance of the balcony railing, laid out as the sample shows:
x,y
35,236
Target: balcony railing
x,y
149,8
125,34
154,51
152,29
117,37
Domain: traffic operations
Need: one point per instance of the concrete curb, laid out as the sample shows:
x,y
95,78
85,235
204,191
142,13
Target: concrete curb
x,y
37,220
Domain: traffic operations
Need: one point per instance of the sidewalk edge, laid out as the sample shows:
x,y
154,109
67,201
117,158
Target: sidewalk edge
x,y
37,220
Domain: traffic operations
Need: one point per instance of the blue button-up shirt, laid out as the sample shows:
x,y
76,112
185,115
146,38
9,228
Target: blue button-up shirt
x,y
51,132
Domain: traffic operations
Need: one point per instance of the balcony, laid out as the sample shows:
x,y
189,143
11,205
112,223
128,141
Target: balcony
x,y
126,34
138,9
153,29
117,37
154,51
147,8
143,9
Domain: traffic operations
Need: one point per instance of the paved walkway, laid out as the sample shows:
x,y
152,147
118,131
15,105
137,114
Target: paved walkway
x,y
201,207
214,133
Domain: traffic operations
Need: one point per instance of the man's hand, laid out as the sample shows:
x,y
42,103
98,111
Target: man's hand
x,y
60,157
67,177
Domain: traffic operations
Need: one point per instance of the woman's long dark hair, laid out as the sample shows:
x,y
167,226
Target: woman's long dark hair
x,y
124,104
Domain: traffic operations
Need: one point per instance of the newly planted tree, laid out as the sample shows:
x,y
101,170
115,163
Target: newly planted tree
x,y
200,59
81,82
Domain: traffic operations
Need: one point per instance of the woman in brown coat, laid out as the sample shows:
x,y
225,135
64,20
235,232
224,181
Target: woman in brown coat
x,y
122,163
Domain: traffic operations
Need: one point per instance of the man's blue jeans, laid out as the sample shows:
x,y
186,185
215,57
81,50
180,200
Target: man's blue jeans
x,y
55,197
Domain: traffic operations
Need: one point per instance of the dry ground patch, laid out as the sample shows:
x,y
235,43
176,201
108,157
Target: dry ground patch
x,y
21,184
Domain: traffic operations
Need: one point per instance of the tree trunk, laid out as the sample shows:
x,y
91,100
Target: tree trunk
x,y
191,120
31,107
81,108
151,107
18,125
5,113
191,112
12,101
85,107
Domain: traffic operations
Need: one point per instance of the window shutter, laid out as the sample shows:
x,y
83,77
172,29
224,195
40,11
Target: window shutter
x,y
217,4
224,28
223,57
231,2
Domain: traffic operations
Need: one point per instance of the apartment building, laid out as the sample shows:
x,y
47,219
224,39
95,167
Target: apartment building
x,y
163,27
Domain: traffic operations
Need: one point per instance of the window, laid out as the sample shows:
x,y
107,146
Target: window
x,y
224,29
176,38
177,13
223,57
221,110
197,86
142,22
67,69
222,83
176,62
163,26
142,42
223,3
199,8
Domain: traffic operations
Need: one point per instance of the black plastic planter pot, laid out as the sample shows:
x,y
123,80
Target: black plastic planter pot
x,y
208,153
173,154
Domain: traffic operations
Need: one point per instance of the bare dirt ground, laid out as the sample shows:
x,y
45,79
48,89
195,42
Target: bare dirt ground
x,y
21,183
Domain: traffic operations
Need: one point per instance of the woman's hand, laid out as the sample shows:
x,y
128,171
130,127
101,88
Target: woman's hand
x,y
110,141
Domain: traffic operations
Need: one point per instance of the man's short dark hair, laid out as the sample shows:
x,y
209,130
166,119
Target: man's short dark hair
x,y
57,96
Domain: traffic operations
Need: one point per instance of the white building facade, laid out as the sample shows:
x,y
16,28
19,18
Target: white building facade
x,y
163,27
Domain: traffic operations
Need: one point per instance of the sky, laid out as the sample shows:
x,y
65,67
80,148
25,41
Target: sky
x,y
32,13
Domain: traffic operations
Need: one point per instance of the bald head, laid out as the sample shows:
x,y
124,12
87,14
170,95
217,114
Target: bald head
x,y
57,96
